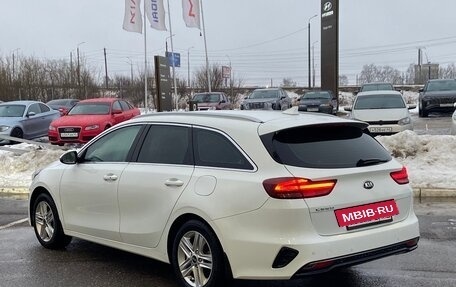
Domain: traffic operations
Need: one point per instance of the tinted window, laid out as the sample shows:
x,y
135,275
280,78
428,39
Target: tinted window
x,y
377,87
324,147
216,150
167,145
317,95
379,102
113,147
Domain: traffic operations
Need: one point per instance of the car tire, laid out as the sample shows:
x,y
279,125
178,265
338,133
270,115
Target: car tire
x,y
421,111
17,133
46,223
197,251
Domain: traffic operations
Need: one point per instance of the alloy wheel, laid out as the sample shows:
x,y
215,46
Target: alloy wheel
x,y
195,259
44,221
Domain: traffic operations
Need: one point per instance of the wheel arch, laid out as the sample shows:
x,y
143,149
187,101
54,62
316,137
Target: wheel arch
x,y
181,220
33,196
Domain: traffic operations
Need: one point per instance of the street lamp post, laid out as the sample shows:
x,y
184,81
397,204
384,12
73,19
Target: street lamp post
x,y
231,73
313,64
14,73
308,42
188,66
78,71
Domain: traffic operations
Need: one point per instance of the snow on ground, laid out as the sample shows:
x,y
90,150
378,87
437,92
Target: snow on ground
x,y
430,160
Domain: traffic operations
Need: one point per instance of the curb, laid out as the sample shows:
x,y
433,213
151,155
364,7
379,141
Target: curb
x,y
418,192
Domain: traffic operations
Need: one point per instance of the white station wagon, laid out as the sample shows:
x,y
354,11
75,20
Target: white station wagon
x,y
231,194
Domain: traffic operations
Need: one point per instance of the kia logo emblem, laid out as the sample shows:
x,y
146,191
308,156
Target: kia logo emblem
x,y
368,184
328,6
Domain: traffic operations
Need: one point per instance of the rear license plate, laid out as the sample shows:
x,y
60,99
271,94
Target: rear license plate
x,y
380,129
374,212
68,135
446,105
312,109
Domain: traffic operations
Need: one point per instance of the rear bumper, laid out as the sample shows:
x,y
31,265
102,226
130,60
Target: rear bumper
x,y
260,236
326,265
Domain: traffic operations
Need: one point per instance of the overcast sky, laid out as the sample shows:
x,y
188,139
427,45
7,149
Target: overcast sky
x,y
263,39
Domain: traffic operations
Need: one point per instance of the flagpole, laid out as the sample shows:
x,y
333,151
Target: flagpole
x,y
205,47
145,59
172,53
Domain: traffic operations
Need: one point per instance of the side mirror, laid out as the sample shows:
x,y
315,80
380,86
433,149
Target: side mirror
x,y
222,101
70,157
31,114
348,109
411,106
421,90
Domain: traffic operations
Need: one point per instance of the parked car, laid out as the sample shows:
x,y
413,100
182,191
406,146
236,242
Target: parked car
x,y
25,119
88,118
376,86
211,101
437,96
385,111
318,101
62,105
265,194
267,99
453,121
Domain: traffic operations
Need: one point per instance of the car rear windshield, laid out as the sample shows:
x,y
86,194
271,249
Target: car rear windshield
x,y
325,147
379,102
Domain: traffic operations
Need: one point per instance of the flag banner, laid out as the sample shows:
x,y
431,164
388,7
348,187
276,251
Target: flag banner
x,y
133,17
191,13
155,12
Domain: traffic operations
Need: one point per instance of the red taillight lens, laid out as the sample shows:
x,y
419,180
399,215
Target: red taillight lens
x,y
293,187
401,176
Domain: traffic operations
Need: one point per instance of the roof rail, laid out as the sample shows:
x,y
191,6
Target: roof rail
x,y
233,116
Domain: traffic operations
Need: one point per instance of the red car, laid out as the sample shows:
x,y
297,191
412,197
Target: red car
x,y
88,118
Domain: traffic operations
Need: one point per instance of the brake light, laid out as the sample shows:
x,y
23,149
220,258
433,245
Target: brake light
x,y
293,187
401,176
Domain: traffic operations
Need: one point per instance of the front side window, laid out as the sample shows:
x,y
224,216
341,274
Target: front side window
x,y
113,147
216,150
34,108
167,144
324,147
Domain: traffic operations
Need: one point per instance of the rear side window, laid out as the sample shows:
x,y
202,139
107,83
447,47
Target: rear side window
x,y
167,145
325,147
216,150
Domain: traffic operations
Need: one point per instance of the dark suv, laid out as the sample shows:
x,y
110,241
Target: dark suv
x,y
267,99
437,96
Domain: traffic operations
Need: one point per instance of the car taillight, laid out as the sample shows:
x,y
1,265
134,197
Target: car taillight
x,y
293,187
401,176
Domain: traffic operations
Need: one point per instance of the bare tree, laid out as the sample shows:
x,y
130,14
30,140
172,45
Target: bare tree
x,y
215,76
343,80
288,83
372,73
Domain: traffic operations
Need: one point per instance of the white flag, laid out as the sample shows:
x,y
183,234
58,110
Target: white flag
x,y
133,17
155,12
191,13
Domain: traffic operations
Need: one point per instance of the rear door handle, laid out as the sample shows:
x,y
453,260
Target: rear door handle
x,y
110,177
174,182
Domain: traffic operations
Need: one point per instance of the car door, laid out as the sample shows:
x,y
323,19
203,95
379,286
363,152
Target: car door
x,y
127,110
150,187
32,121
47,115
119,117
88,190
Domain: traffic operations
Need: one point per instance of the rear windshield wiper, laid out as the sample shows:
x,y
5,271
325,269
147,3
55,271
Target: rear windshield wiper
x,y
370,161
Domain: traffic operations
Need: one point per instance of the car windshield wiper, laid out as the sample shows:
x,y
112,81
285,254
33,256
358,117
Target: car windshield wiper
x,y
370,161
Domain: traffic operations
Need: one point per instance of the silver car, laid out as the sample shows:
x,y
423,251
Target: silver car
x,y
25,119
267,99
